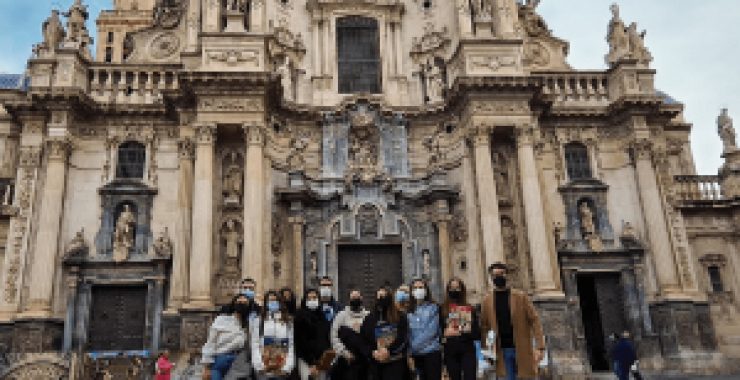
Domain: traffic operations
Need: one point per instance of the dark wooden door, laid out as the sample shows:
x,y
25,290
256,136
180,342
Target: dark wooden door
x,y
367,267
611,303
117,318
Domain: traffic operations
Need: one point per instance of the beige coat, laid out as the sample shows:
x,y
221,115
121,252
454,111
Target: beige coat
x,y
526,324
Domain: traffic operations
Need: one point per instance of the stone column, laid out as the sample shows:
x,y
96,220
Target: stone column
x,y
44,261
254,218
490,223
202,219
655,221
256,19
539,248
443,239
193,26
464,19
296,223
181,259
212,16
476,276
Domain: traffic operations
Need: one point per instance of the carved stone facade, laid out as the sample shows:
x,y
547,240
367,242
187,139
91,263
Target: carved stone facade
x,y
215,144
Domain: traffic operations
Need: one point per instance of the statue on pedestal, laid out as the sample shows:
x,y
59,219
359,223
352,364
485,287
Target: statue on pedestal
x,y
587,219
232,239
233,182
638,50
123,237
726,131
163,245
616,35
53,32
77,33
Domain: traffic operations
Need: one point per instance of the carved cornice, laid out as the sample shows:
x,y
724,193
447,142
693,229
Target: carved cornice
x,y
59,149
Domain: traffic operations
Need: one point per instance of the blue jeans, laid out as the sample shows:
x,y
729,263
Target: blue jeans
x,y
510,363
221,365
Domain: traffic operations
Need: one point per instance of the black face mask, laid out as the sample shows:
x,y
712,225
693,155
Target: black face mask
x,y
243,310
384,302
499,281
355,304
455,294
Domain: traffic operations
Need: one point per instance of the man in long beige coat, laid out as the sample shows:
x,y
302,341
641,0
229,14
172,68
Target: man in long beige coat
x,y
510,313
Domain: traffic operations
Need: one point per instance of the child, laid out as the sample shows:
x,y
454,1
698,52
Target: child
x,y
163,367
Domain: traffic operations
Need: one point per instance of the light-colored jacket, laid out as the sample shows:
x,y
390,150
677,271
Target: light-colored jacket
x,y
225,335
275,328
347,318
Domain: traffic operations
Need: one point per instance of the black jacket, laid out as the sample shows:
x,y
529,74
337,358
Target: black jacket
x,y
312,332
367,331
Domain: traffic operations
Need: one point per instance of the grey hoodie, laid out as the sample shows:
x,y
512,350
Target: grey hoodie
x,y
225,335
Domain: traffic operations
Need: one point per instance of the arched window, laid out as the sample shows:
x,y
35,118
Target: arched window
x,y
576,158
131,156
358,52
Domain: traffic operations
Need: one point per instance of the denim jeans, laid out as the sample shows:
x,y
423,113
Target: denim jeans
x,y
510,363
221,365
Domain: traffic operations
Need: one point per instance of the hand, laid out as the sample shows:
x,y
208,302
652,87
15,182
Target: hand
x,y
451,331
314,371
206,373
376,355
539,354
384,354
349,357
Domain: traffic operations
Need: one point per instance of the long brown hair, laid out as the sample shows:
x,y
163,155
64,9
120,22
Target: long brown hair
x,y
392,314
284,314
463,301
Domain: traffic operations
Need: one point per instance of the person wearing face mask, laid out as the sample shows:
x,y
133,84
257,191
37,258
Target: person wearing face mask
x,y
403,298
242,367
247,288
329,305
461,330
347,342
226,338
385,335
511,314
312,332
424,324
289,299
272,341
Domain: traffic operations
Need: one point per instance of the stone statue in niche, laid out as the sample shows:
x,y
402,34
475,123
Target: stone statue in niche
x,y
587,219
314,264
286,77
296,159
53,31
123,236
232,239
435,83
163,245
233,181
501,173
726,131
508,233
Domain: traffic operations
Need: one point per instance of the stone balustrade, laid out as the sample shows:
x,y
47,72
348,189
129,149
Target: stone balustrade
x,y
698,188
131,84
581,88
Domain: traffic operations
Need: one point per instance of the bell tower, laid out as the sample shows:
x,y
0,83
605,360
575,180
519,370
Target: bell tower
x,y
113,26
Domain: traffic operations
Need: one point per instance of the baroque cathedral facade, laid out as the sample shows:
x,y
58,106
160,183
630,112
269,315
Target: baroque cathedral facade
x,y
373,141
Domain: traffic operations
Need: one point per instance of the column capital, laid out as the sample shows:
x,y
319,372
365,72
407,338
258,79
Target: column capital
x,y
205,133
59,149
481,135
642,149
525,134
254,134
30,156
186,148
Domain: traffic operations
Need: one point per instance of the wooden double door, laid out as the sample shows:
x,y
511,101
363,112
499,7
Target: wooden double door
x,y
117,318
367,267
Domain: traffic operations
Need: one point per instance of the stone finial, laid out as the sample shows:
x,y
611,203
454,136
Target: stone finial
x,y
77,246
77,33
53,32
726,131
163,245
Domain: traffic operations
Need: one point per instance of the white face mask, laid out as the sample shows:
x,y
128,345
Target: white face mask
x,y
325,291
312,304
419,294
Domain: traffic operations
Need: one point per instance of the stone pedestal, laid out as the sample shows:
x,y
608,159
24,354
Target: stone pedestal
x,y
234,22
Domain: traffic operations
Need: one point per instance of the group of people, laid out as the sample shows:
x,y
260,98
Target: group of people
x,y
404,334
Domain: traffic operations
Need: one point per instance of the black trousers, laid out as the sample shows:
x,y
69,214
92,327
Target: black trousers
x,y
429,366
461,361
394,370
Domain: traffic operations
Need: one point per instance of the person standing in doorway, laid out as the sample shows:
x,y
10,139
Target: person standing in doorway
x,y
329,305
424,324
461,330
511,314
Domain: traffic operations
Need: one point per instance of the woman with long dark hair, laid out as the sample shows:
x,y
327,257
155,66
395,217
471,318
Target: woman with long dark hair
x,y
461,330
385,333
272,341
226,338
424,325
312,332
347,342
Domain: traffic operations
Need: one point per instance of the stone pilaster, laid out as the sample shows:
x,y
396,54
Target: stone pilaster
x,y
655,220
490,222
296,223
476,277
505,18
202,219
443,239
537,237
44,262
179,282
254,197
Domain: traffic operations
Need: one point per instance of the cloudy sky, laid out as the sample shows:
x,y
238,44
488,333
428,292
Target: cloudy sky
x,y
694,43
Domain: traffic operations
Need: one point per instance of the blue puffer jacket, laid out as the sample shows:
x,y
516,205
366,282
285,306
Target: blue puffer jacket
x,y
425,329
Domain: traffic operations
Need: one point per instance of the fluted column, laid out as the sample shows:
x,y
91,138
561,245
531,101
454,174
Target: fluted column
x,y
254,218
179,283
652,208
202,219
539,248
47,238
490,221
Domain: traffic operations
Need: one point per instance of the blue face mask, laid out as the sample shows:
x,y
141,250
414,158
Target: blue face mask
x,y
249,293
273,306
402,296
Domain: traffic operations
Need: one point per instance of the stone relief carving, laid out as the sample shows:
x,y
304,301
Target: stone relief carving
x,y
164,45
77,34
493,62
167,13
536,54
433,43
123,235
534,24
296,158
363,148
459,227
30,156
287,43
230,105
232,239
367,222
726,131
163,244
233,57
